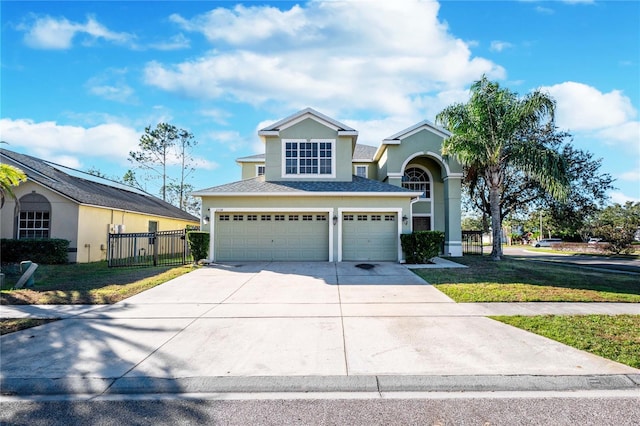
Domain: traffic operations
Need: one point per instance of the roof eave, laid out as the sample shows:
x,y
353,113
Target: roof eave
x,y
306,194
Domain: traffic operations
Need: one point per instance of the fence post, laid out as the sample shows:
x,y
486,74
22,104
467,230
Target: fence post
x,y
155,248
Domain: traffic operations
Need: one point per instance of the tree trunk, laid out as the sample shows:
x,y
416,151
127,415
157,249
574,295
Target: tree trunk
x,y
496,222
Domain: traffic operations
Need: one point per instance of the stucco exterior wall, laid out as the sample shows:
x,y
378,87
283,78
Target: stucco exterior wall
x,y
63,221
95,222
249,170
308,129
372,170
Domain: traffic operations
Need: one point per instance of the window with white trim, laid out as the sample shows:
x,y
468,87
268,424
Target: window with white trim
x,y
259,170
304,158
417,179
361,171
34,219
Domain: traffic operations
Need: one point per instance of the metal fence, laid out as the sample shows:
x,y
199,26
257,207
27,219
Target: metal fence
x,y
472,242
165,248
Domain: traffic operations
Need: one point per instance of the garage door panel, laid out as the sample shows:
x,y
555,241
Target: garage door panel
x,y
370,236
271,236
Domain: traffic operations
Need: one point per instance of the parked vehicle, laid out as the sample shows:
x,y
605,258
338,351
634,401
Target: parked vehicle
x,y
594,240
547,242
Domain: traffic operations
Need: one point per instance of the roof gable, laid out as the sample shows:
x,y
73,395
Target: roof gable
x,y
397,138
308,113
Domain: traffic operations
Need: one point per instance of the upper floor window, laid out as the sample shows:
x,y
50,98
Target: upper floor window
x,y
361,171
308,158
417,179
34,218
259,170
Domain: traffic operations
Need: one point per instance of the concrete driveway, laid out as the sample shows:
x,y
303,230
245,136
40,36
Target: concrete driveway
x,y
284,319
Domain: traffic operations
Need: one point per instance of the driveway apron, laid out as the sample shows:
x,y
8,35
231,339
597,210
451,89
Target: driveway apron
x,y
288,319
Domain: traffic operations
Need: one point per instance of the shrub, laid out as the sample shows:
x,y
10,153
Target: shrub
x,y
49,251
421,246
198,244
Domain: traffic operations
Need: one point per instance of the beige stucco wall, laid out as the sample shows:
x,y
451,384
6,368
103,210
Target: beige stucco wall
x,y
249,169
380,203
95,222
63,219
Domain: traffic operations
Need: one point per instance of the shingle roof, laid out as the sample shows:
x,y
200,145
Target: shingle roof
x,y
86,191
364,152
258,186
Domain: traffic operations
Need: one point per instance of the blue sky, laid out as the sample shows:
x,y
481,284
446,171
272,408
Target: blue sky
x,y
81,80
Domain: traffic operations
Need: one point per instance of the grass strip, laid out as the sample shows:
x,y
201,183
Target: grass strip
x,y
614,337
16,324
514,280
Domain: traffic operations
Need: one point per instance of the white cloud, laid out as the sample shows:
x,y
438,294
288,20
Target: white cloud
x,y
633,176
364,55
58,33
621,198
607,116
48,140
499,46
111,85
178,41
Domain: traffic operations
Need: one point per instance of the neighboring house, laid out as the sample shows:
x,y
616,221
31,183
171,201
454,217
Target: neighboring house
x,y
55,204
318,195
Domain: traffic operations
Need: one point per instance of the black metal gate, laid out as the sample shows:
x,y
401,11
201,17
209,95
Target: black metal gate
x,y
165,248
472,242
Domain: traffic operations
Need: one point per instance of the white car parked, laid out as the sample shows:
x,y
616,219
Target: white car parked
x,y
546,242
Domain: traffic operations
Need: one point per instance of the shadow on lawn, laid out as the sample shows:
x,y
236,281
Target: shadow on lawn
x,y
510,270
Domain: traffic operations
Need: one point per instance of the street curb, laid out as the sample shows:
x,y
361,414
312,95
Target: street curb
x,y
284,384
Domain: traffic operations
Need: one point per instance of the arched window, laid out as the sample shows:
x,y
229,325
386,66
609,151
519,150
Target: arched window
x,y
417,179
34,218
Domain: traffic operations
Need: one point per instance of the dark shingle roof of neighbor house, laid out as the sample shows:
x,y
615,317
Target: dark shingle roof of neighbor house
x,y
361,152
85,191
258,186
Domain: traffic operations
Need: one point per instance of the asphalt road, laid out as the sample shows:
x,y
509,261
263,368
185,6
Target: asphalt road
x,y
432,410
612,263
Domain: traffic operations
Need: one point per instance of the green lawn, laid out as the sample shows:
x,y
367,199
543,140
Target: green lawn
x,y
616,337
512,280
85,283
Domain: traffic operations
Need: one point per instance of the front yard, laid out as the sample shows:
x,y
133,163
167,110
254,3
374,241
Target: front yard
x,y
84,283
512,280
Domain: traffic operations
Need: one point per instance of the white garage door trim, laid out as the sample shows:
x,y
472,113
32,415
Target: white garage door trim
x,y
341,212
213,211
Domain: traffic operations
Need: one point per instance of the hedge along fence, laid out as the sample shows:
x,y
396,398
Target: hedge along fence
x,y
198,244
422,246
48,251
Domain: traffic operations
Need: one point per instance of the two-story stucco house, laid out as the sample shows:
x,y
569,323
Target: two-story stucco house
x,y
317,195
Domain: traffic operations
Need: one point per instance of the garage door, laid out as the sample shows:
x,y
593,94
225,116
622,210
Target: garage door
x,y
271,236
370,236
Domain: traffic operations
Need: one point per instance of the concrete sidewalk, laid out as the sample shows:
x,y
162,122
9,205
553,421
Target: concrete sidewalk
x,y
297,327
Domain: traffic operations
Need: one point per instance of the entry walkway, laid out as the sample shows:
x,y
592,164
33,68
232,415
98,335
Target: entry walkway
x,y
297,326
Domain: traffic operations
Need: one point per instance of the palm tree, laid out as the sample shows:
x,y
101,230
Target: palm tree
x,y
9,177
492,132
